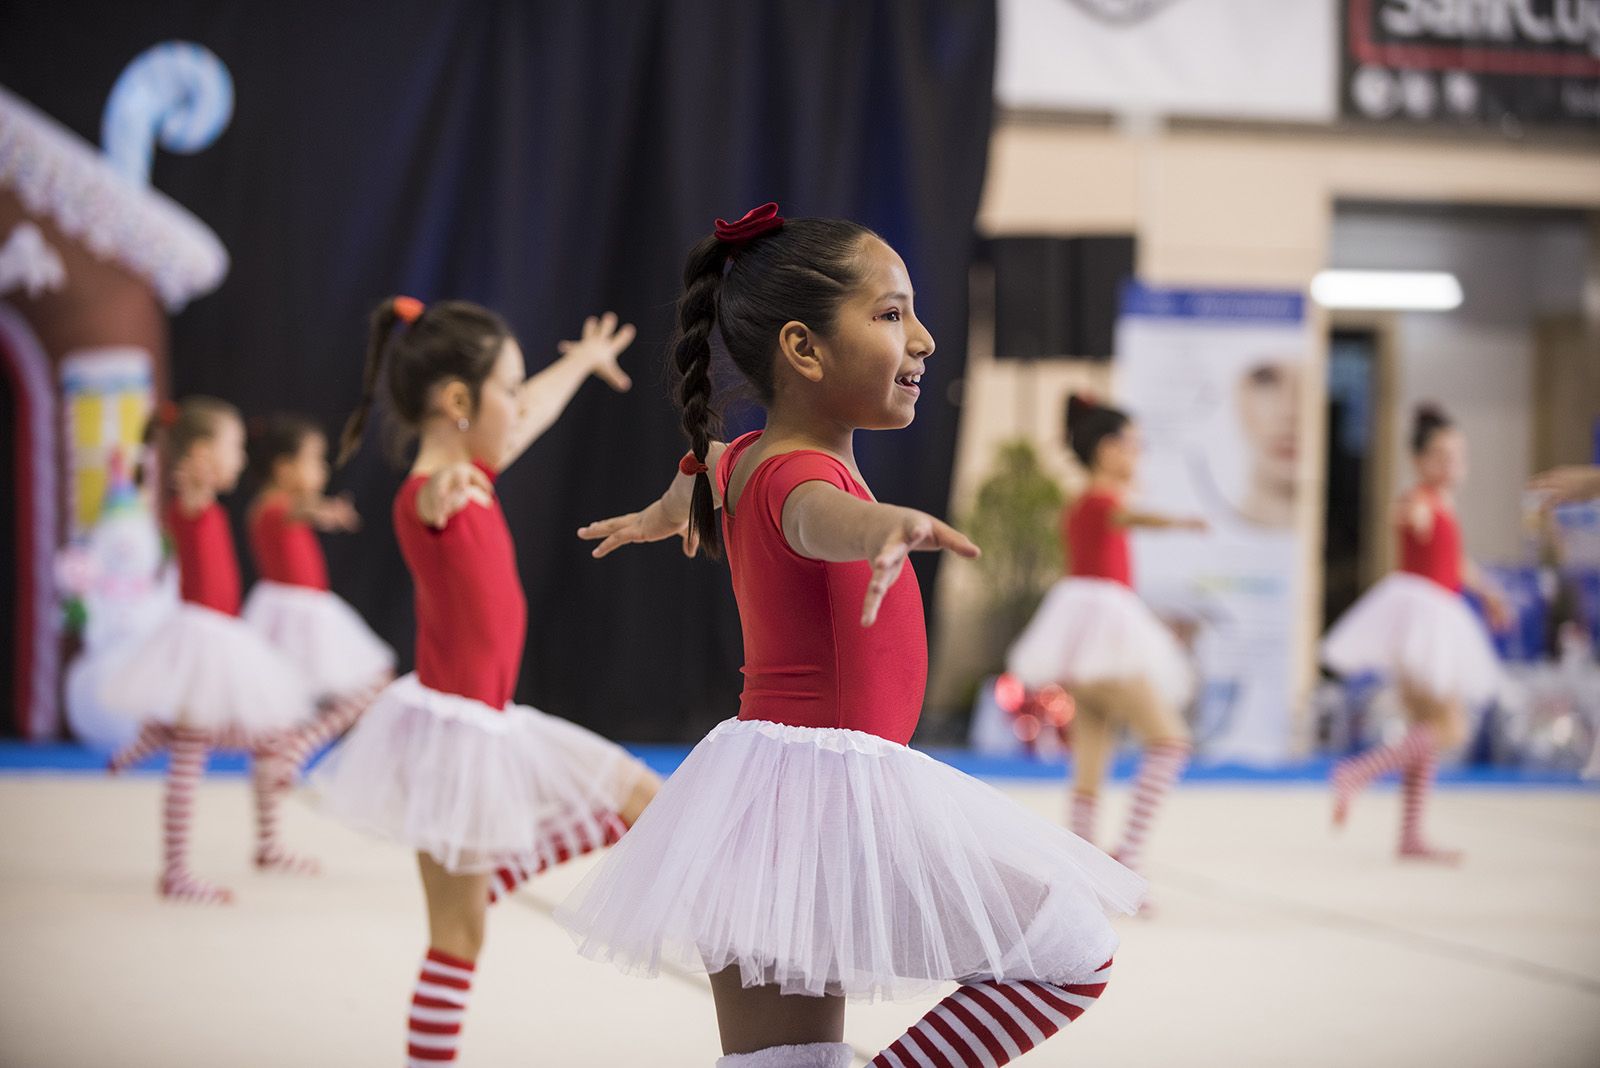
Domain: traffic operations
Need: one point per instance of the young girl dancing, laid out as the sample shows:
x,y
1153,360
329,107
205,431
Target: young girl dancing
x,y
1415,629
803,854
443,761
1093,636
291,604
203,679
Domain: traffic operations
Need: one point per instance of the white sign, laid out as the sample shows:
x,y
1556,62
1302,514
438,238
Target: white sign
x,y
1244,59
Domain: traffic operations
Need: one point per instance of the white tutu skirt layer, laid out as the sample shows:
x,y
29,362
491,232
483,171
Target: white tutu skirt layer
x,y
1413,628
205,670
474,787
318,631
1094,630
831,861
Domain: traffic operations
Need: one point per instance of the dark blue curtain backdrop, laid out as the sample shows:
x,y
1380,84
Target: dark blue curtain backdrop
x,y
548,160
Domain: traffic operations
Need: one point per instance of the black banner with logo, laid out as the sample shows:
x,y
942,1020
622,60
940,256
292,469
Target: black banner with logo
x,y
1496,63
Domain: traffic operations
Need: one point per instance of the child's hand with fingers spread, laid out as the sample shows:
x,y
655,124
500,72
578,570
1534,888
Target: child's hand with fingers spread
x,y
914,532
449,490
602,342
655,523
336,514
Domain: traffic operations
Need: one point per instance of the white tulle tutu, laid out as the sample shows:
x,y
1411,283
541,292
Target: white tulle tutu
x,y
322,634
475,788
831,861
1095,630
205,670
1411,627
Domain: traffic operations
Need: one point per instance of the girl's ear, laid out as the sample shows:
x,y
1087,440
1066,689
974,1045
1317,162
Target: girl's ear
x,y
797,347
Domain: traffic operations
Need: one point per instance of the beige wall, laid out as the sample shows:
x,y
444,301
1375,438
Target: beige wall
x,y
1227,207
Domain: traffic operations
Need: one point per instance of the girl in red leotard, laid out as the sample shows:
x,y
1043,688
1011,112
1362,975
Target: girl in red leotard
x,y
1093,635
1414,629
486,791
291,603
803,855
203,679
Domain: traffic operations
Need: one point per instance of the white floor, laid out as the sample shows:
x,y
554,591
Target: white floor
x,y
1276,945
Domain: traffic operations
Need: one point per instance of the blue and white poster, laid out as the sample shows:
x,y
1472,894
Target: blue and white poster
x,y
1214,380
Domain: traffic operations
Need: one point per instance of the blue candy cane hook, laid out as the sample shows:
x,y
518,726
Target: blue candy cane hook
x,y
176,92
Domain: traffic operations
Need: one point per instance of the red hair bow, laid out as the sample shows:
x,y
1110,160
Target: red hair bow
x,y
756,222
409,309
691,466
167,413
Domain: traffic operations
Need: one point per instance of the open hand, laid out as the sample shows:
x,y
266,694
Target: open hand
x,y
652,524
602,342
449,490
916,532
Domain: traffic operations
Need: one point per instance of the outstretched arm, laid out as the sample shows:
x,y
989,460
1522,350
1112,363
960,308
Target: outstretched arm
x,y
1132,517
666,516
544,396
1564,485
823,522
329,514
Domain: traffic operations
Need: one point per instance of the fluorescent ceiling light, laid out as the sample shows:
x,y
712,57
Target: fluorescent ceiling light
x,y
1387,290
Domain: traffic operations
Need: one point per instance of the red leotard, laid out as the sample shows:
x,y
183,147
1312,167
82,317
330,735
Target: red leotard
x,y
808,661
1097,545
472,616
285,548
1437,557
208,569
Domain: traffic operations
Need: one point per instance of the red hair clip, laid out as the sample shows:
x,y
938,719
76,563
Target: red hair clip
x,y
691,466
756,222
409,309
167,413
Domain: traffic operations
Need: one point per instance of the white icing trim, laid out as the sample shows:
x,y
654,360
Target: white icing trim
x,y
28,263
57,175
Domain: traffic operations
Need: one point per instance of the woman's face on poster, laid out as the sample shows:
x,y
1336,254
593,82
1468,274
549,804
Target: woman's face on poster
x,y
1269,410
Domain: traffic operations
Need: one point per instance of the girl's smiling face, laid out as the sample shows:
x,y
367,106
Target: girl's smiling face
x,y
873,358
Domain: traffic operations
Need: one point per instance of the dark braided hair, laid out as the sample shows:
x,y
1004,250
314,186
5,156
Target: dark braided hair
x,y
801,272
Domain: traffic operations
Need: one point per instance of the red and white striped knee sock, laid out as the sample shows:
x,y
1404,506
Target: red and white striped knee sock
x,y
437,1009
563,843
1159,768
1416,782
185,766
1081,814
338,714
1353,774
268,781
991,1023
153,737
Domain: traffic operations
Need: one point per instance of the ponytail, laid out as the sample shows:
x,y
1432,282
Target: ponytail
x,y
382,324
691,358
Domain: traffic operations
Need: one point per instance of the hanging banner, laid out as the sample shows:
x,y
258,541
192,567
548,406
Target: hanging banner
x,y
1499,63
1227,59
1213,379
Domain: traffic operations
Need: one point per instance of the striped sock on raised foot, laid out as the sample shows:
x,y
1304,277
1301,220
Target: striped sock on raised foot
x,y
563,843
987,1024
